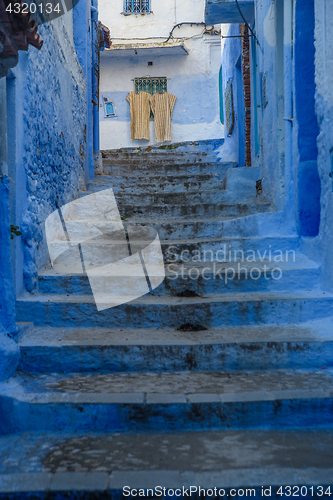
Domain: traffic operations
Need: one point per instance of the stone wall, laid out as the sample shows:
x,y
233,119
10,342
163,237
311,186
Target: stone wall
x,y
49,105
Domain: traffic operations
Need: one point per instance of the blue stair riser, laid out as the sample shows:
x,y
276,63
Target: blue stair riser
x,y
228,357
202,282
183,230
274,414
174,314
168,168
149,180
187,211
181,198
158,159
156,186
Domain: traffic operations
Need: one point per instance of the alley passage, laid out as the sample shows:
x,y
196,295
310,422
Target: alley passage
x,y
238,361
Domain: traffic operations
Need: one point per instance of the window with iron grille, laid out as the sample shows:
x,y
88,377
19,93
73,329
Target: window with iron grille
x,y
136,6
151,85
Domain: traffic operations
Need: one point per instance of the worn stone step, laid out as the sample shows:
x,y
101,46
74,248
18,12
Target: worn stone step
x,y
161,157
145,187
112,246
102,350
202,146
192,228
168,168
202,278
202,210
172,228
169,401
162,184
100,465
181,198
229,309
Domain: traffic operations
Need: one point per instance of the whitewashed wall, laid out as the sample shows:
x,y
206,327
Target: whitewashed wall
x,y
193,78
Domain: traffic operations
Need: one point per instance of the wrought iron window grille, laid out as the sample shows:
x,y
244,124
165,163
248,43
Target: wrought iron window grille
x,y
136,7
152,85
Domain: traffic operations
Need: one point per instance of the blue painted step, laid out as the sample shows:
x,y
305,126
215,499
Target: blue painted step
x,y
171,312
175,401
202,210
203,278
91,350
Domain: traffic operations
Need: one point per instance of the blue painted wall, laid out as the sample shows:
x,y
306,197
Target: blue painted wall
x,y
230,56
308,182
284,124
47,113
9,354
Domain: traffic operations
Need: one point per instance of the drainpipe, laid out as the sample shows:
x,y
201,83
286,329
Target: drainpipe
x,y
289,207
95,78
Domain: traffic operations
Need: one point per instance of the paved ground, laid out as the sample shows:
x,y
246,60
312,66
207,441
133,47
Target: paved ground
x,y
212,459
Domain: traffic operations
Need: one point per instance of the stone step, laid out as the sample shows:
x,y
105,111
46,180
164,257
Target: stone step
x,y
243,348
181,401
160,184
170,229
168,168
100,465
203,146
182,198
202,228
201,278
202,210
163,156
112,248
229,309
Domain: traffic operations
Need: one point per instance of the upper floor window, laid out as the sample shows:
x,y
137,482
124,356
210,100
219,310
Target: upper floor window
x,y
151,85
136,6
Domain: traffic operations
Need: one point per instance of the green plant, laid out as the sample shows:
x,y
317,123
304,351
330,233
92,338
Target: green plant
x,y
14,230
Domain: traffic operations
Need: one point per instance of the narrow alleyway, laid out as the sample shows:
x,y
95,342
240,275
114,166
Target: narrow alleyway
x,y
199,353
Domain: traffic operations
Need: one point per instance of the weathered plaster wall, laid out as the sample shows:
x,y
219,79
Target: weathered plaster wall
x,y
83,47
193,78
47,123
320,248
307,182
269,58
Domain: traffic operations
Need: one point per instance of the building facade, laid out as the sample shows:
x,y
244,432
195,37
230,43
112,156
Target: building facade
x,y
158,47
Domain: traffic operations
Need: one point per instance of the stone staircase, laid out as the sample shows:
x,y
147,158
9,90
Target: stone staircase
x,y
221,377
